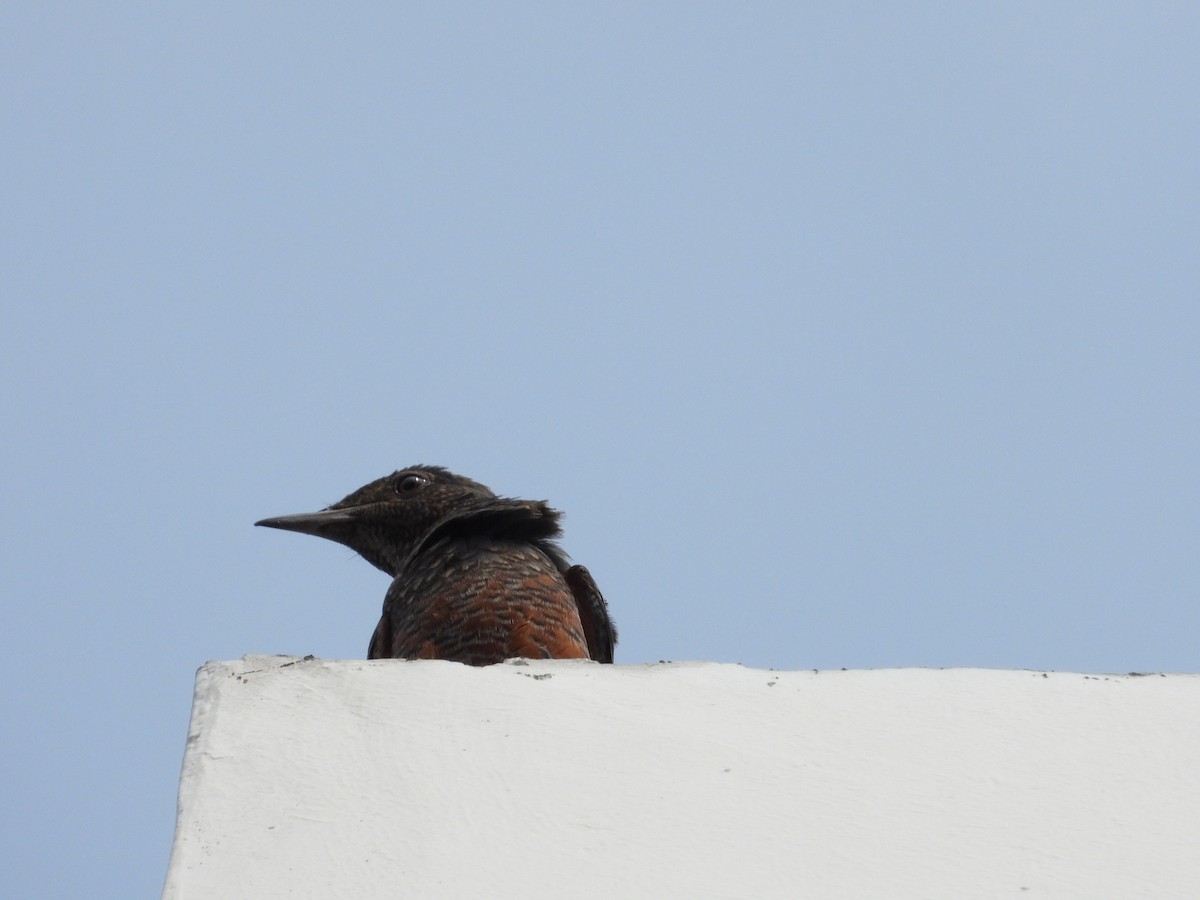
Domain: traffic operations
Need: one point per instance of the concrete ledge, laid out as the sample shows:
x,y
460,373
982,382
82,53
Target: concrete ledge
x,y
315,778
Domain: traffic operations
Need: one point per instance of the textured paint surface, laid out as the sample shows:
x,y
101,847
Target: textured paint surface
x,y
557,778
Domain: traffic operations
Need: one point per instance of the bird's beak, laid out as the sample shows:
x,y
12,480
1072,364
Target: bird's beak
x,y
334,524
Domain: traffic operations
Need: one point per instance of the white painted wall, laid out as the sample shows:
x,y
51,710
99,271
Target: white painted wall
x,y
314,778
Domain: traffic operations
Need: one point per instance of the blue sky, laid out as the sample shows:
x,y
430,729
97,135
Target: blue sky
x,y
849,334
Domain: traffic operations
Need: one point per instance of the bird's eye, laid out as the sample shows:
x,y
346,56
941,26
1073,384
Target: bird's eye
x,y
410,482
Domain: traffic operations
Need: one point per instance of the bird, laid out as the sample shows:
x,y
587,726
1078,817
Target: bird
x,y
476,578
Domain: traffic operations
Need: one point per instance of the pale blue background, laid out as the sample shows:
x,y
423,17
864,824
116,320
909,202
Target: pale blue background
x,y
846,334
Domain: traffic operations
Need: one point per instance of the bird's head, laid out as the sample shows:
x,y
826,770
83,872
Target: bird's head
x,y
382,521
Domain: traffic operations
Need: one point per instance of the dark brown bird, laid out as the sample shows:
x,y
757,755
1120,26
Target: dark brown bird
x,y
476,578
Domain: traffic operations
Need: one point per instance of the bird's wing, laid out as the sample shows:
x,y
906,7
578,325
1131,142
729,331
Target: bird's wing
x,y
381,641
598,628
